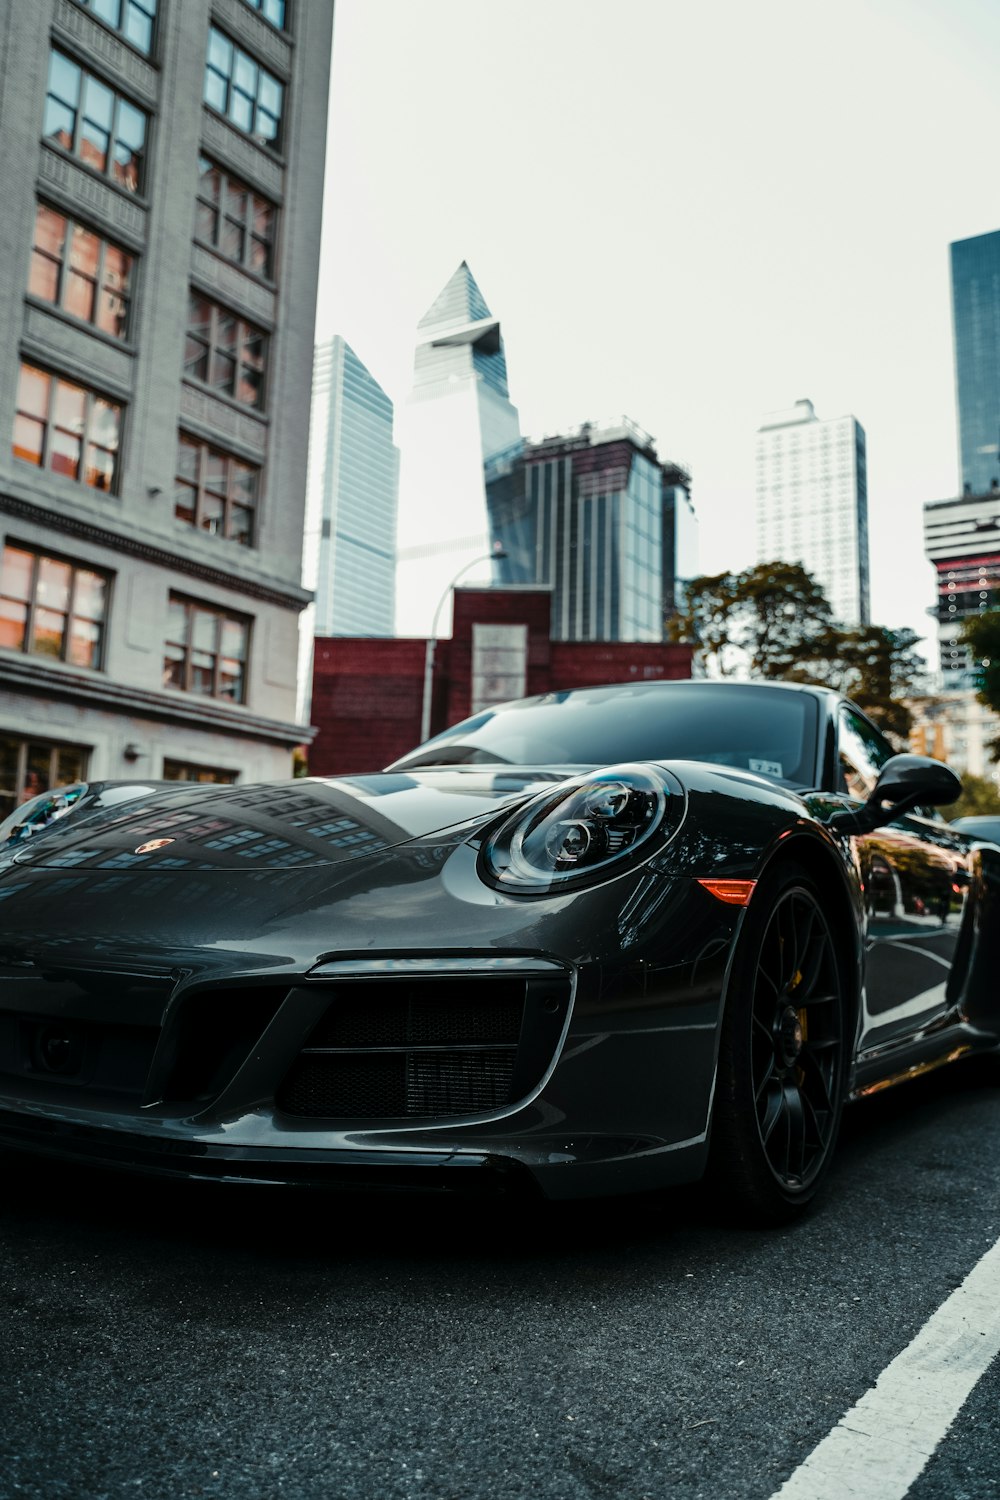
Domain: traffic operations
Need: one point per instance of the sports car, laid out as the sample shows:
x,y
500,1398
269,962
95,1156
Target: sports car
x,y
596,941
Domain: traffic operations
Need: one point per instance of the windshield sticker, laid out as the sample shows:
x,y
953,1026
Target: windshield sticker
x,y
767,767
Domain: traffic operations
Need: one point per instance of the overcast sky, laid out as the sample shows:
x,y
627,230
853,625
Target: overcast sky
x,y
688,211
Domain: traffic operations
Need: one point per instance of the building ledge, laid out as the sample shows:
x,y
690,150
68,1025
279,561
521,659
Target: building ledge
x,y
76,685
159,551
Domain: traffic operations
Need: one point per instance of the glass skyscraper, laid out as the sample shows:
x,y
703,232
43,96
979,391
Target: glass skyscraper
x,y
812,503
459,416
353,478
975,292
584,514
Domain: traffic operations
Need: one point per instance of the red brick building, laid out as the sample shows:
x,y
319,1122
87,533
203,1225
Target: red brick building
x,y
368,694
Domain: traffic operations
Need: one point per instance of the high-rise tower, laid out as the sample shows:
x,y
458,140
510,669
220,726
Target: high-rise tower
x,y
459,415
595,515
353,478
812,503
975,294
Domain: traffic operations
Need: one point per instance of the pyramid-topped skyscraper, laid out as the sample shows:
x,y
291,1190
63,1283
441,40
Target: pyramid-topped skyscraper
x,y
459,415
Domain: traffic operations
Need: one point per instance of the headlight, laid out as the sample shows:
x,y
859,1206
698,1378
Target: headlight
x,y
583,832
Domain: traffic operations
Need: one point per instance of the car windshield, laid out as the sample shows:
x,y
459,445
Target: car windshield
x,y
765,729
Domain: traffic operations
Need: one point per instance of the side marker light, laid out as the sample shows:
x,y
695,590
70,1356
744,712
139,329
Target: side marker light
x,y
732,892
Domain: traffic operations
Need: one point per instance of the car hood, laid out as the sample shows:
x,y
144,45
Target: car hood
x,y
284,825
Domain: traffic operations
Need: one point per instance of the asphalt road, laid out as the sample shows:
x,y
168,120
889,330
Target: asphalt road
x,y
184,1340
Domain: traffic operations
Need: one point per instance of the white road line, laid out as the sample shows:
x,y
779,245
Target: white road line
x,y
882,1444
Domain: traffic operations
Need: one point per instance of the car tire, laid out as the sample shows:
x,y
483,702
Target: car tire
x,y
782,1064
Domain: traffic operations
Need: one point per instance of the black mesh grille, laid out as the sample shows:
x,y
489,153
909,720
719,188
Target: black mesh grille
x,y
427,1013
409,1048
397,1085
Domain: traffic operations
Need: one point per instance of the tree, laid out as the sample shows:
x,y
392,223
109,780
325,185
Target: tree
x,y
979,797
752,623
981,633
875,666
773,621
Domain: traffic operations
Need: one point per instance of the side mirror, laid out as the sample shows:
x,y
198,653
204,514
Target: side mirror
x,y
904,782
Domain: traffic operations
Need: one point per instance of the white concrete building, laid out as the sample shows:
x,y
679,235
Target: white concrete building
x,y
459,416
812,503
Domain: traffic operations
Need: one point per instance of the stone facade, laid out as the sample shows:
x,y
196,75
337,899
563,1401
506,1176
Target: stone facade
x,y
123,716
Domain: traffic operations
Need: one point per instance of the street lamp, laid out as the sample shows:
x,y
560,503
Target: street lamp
x,y
425,712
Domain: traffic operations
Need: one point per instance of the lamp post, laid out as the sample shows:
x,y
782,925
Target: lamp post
x,y
425,712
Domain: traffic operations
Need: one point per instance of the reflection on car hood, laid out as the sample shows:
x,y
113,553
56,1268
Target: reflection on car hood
x,y
285,825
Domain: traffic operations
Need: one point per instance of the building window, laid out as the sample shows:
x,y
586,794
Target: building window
x,y
182,770
67,428
50,607
238,87
225,352
92,122
271,10
215,491
77,270
133,18
206,650
29,767
235,220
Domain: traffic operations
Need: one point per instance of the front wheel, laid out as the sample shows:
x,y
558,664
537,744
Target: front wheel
x,y
782,1056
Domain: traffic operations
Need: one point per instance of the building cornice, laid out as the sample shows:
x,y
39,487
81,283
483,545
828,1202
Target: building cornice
x,y
291,597
64,684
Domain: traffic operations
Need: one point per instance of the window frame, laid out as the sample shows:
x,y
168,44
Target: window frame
x,y
106,174
229,181
200,489
237,54
148,8
63,269
258,6
212,347
49,426
25,743
33,605
222,617
220,776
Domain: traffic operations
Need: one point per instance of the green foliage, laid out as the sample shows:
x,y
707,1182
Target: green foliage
x,y
979,797
773,621
874,666
754,622
981,633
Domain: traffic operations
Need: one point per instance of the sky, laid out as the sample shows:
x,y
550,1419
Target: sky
x,y
688,213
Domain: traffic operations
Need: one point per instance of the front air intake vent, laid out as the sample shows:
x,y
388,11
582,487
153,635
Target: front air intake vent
x,y
426,1048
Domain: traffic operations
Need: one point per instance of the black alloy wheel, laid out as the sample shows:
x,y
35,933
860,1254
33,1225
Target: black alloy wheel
x,y
782,1056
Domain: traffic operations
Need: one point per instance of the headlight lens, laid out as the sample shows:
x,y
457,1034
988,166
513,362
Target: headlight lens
x,y
583,832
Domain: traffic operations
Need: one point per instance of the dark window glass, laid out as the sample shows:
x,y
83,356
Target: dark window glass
x,y
863,753
771,731
182,770
30,767
205,651
271,10
225,351
87,118
133,18
239,88
50,607
215,491
67,428
75,269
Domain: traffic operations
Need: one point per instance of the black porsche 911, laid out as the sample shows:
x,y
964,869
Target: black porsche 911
x,y
594,941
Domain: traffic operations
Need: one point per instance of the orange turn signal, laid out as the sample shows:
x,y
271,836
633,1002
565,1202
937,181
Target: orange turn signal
x,y
733,892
